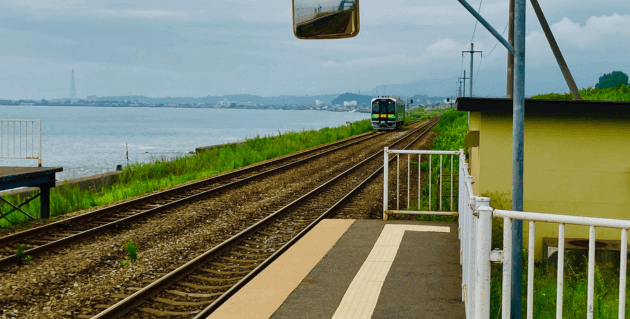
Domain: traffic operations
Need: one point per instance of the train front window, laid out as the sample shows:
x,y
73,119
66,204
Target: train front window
x,y
391,108
376,108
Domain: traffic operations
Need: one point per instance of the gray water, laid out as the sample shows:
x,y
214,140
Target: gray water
x,y
91,140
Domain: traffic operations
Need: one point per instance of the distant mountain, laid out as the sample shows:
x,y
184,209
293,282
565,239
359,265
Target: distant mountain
x,y
254,99
361,99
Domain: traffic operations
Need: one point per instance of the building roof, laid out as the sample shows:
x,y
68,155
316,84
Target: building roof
x,y
475,104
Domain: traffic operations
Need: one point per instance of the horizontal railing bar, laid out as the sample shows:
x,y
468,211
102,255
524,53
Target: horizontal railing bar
x,y
424,152
5,120
19,157
421,212
564,219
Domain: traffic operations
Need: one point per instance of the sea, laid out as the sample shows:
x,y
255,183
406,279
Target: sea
x,y
87,141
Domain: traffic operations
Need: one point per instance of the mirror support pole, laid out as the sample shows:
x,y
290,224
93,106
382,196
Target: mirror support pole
x,y
518,154
485,23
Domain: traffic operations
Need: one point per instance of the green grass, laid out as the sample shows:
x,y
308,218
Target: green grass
x,y
545,280
574,293
422,115
620,92
138,179
132,251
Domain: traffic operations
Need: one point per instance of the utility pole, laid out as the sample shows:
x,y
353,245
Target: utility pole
x,y
518,134
462,93
472,51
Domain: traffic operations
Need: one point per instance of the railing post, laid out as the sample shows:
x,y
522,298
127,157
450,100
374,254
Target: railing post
x,y
472,246
484,243
506,289
385,181
39,151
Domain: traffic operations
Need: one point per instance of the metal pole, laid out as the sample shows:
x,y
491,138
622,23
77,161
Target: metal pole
x,y
385,171
40,144
510,61
464,83
486,25
482,271
556,51
472,52
518,153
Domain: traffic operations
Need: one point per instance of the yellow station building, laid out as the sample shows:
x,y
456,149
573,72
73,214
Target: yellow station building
x,y
577,159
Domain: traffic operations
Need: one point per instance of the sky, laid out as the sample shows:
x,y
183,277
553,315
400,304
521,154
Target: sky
x,y
161,48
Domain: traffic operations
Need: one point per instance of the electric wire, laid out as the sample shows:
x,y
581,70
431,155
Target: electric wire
x,y
495,46
475,28
481,56
478,68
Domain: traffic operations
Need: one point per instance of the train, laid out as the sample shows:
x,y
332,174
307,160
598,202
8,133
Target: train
x,y
388,113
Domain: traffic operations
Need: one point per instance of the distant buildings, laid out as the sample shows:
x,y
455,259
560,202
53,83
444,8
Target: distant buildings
x,y
350,103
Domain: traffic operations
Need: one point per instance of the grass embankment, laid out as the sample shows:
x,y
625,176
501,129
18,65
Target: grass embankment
x,y
139,179
620,92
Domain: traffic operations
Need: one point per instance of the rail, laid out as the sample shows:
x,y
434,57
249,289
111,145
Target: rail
x,y
475,233
15,136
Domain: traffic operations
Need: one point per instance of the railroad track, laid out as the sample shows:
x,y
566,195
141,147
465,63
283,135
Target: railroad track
x,y
47,237
202,284
58,234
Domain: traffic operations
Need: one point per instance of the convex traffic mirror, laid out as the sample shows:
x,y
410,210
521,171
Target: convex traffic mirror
x,y
325,19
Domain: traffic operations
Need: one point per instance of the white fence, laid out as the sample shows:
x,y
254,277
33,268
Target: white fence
x,y
475,234
21,139
435,185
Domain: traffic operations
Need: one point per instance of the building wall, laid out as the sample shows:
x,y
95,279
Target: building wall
x,y
574,165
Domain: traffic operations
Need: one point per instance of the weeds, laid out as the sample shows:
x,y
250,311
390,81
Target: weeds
x,y
19,254
132,252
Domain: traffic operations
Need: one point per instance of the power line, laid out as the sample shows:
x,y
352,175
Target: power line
x,y
475,28
478,68
481,56
497,41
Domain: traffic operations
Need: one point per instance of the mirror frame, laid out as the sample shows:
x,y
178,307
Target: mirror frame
x,y
327,36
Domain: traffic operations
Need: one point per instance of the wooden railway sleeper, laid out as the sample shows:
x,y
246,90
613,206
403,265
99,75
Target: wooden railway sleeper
x,y
234,260
232,266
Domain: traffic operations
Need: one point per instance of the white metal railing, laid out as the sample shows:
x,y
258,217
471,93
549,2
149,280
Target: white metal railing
x,y
475,233
439,182
21,139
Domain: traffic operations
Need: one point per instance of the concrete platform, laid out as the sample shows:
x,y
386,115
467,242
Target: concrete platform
x,y
359,269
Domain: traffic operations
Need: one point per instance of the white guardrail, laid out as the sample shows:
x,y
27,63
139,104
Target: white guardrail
x,y
21,139
475,234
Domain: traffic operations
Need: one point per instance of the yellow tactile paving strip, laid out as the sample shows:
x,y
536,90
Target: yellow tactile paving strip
x,y
362,294
262,296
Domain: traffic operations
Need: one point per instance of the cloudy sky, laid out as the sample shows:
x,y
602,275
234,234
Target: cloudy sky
x,y
164,48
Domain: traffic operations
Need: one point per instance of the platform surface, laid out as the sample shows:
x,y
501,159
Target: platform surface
x,y
374,269
10,173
